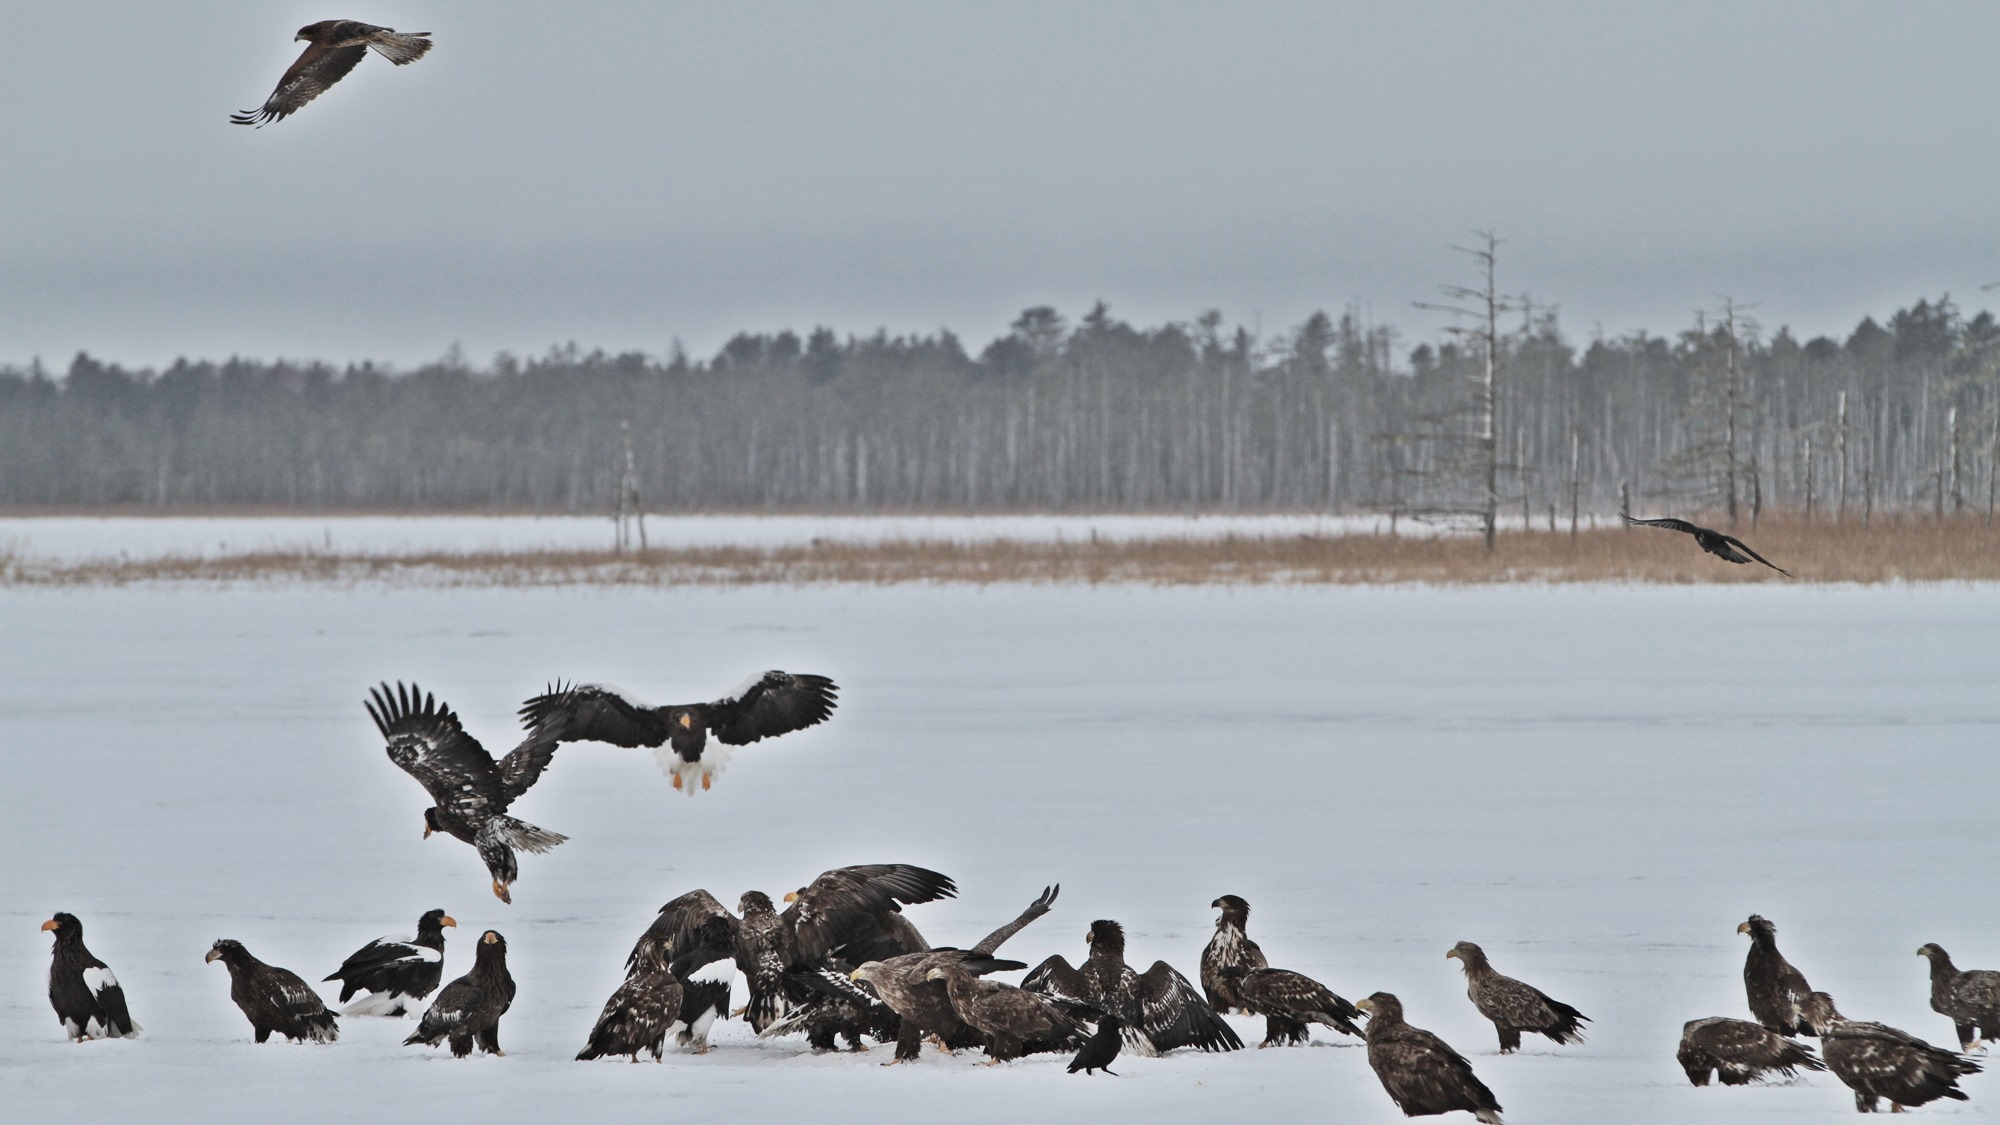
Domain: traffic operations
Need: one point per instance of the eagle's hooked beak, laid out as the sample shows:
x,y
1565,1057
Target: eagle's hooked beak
x,y
213,955
1365,1005
1450,953
1744,928
791,896
686,721
51,925
488,938
448,920
427,828
855,975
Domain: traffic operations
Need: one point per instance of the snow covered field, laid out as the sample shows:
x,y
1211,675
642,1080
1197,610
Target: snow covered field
x,y
1597,784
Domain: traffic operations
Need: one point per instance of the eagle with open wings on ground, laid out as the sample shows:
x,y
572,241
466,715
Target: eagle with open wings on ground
x,y
333,47
764,706
472,790
1159,1009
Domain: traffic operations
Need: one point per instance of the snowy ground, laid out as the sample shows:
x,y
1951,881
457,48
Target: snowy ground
x,y
76,538
1597,784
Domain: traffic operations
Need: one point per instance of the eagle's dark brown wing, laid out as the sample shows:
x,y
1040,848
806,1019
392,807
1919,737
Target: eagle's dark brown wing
x,y
1669,523
425,738
692,931
1057,977
772,704
1745,548
316,69
523,765
1173,1014
596,713
844,910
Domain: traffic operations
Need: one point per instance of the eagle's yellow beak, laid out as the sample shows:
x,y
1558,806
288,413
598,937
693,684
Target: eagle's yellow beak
x,y
1744,928
50,925
489,937
791,896
448,920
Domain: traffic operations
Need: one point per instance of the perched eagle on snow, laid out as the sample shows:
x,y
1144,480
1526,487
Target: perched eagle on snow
x,y
1422,1074
1970,999
1877,1061
274,999
854,912
1778,993
1512,1006
472,790
84,991
1161,1011
923,1006
763,706
1236,977
395,971
1012,1021
1728,548
333,47
469,1008
642,1012
1738,1051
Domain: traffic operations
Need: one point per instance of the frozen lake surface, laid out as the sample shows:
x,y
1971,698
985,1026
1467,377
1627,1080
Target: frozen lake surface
x,y
1597,784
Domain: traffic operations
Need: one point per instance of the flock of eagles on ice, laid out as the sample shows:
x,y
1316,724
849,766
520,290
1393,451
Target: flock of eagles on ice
x,y
842,962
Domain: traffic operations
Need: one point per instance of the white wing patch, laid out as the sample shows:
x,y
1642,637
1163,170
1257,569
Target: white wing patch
x,y
99,978
613,689
385,1004
743,689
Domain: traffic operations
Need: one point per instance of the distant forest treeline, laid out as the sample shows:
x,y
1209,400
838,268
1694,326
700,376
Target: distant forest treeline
x,y
1096,415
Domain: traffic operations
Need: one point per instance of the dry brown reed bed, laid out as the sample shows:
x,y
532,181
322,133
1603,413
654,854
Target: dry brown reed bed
x,y
1887,550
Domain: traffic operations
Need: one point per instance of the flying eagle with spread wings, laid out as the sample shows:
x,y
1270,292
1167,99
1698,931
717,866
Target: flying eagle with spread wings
x,y
333,47
764,706
472,790
1728,548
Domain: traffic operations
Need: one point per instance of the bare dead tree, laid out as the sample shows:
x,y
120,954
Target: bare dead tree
x,y
1481,323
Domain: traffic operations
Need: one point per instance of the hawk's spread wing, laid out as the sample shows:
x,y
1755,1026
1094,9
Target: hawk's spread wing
x,y
319,67
595,713
426,740
772,704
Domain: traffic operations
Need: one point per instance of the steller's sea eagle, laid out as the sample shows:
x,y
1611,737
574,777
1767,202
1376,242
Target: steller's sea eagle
x,y
1515,1007
1725,547
273,999
1161,1011
1877,1061
472,790
395,971
1422,1074
468,1010
764,706
333,47
1969,999
1778,993
89,1002
1738,1051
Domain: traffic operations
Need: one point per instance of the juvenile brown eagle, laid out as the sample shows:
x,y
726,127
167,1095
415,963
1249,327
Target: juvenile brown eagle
x,y
1877,1061
1725,547
922,1006
472,790
764,706
1738,1051
1013,1021
89,1002
1969,999
1421,1072
395,971
1515,1007
468,1010
1236,977
854,912
1161,1011
1230,947
641,1013
273,999
1778,993
333,47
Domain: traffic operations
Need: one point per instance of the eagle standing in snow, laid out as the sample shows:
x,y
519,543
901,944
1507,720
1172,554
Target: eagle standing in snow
x,y
764,706
1012,1021
84,991
1778,993
1422,1074
1969,999
274,999
1236,977
855,912
923,1006
1877,1061
472,790
1161,1011
642,1012
1738,1051
395,971
333,48
1512,1006
1728,548
469,1008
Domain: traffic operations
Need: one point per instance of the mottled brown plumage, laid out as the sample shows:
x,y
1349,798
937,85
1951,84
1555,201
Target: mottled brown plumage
x,y
1738,1051
1969,999
333,47
1776,991
1877,1061
273,999
1515,1007
1421,1072
1161,1011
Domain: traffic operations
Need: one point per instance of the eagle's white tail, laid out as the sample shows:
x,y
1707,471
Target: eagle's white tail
x,y
386,1004
688,777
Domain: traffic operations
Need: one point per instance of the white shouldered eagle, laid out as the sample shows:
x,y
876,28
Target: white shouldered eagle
x,y
89,1001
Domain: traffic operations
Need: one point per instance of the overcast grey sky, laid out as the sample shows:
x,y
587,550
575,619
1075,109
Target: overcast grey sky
x,y
623,174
